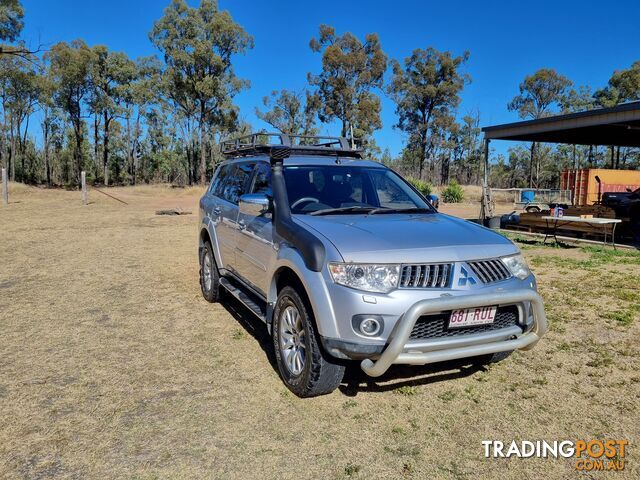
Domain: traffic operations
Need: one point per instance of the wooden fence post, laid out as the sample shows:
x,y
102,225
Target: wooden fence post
x,y
83,177
5,187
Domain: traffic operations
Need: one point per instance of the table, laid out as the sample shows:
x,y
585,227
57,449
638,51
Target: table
x,y
554,223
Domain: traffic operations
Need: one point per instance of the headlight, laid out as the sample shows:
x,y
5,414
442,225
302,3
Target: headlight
x,y
367,277
517,266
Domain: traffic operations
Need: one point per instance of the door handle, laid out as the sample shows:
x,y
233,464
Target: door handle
x,y
217,210
242,225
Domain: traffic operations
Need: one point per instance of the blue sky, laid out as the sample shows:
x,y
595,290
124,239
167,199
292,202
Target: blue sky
x,y
585,41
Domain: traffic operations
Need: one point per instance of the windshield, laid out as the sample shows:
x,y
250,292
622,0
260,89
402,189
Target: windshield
x,y
336,189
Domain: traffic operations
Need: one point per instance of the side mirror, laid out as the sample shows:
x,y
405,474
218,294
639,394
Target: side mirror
x,y
254,204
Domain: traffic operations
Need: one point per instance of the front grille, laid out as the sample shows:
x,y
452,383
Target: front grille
x,y
435,326
489,271
426,276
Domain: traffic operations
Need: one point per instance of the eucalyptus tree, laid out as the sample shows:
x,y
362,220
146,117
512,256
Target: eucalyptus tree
x,y
111,74
19,92
351,70
623,86
11,20
198,45
539,94
50,116
141,94
289,112
70,70
426,88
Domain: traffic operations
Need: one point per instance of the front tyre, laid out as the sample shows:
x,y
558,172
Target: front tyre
x,y
303,366
209,278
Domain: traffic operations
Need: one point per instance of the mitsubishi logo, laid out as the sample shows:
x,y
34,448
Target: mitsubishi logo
x,y
465,278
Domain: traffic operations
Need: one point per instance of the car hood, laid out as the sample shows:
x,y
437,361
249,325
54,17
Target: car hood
x,y
410,238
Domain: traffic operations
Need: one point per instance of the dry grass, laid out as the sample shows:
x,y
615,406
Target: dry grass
x,y
113,366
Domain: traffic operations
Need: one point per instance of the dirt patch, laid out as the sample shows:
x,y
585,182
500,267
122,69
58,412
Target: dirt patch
x,y
113,366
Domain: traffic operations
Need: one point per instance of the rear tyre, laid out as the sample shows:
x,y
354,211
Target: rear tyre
x,y
304,367
209,278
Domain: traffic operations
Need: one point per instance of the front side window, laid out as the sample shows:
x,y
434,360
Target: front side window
x,y
390,192
262,179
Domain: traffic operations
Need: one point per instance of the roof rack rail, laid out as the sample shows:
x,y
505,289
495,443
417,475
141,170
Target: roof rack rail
x,y
262,142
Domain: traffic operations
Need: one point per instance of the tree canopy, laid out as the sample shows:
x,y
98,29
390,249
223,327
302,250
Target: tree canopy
x,y
160,118
426,90
198,45
289,112
351,69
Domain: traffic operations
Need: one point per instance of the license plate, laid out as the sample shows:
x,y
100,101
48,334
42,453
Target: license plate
x,y
470,317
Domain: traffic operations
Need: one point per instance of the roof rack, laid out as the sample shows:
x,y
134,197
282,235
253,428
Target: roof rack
x,y
257,143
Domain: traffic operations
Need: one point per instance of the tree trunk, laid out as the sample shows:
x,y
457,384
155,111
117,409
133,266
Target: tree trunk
x,y
47,167
423,154
203,153
612,156
78,149
189,179
128,167
105,149
444,174
21,152
12,152
95,143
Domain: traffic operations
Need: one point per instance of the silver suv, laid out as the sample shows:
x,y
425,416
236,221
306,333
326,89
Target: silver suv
x,y
344,260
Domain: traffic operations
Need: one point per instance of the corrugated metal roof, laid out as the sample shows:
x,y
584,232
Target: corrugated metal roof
x,y
618,126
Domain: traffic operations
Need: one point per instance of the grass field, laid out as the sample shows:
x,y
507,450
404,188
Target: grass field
x,y
113,366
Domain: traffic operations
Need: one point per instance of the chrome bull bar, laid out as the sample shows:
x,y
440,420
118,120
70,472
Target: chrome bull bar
x,y
394,353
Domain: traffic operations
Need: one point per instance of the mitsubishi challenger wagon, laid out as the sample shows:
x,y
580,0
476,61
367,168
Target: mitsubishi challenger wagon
x,y
345,261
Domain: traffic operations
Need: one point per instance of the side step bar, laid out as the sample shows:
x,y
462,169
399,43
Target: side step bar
x,y
254,304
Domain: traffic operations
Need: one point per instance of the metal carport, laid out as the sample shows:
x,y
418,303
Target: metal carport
x,y
617,126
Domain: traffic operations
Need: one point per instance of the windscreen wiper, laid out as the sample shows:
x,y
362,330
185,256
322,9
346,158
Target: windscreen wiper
x,y
400,210
332,211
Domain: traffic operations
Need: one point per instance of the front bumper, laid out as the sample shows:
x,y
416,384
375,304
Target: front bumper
x,y
399,351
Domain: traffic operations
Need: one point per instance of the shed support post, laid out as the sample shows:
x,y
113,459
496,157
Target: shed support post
x,y
485,206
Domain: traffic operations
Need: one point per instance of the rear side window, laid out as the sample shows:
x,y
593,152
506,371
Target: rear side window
x,y
236,181
217,187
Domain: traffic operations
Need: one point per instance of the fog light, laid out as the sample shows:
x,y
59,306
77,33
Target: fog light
x,y
370,327
367,324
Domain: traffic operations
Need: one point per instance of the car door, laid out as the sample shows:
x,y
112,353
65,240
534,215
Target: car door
x,y
255,238
227,205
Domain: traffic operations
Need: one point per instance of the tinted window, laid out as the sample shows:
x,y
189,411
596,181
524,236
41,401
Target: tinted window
x,y
237,182
318,187
220,180
262,180
390,192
